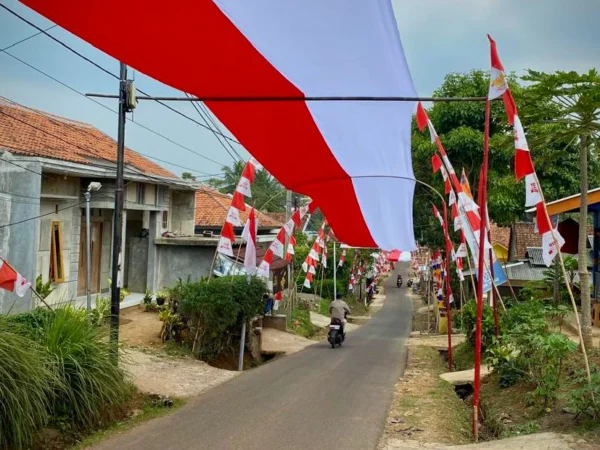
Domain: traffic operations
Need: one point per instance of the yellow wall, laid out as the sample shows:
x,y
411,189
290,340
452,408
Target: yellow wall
x,y
501,252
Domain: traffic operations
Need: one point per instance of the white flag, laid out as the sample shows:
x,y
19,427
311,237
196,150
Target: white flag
x,y
243,187
533,195
549,250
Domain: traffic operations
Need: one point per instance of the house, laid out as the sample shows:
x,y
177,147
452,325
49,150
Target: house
x,y
500,240
211,211
48,163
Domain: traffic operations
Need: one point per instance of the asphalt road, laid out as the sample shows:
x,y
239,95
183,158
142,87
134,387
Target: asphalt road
x,y
316,399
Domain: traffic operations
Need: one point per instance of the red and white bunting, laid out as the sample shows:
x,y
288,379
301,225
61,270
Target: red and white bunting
x,y
289,256
238,203
438,216
524,167
342,258
12,281
265,265
249,236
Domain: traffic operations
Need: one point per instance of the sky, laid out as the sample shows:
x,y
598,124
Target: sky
x,y
439,36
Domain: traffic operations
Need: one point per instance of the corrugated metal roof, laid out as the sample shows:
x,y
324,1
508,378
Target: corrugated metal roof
x,y
535,255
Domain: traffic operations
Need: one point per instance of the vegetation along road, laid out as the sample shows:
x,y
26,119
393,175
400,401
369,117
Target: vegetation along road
x,y
317,398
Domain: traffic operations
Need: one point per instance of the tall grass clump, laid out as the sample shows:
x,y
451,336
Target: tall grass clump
x,y
27,382
81,355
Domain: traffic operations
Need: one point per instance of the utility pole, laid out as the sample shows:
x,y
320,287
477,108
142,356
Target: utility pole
x,y
115,291
288,215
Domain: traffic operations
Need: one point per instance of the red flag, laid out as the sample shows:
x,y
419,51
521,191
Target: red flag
x,y
422,117
436,163
228,231
278,296
543,224
249,171
238,201
498,83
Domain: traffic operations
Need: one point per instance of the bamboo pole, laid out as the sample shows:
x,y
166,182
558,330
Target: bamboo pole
x,y
571,296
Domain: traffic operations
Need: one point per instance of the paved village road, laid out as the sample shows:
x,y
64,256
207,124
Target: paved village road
x,y
318,398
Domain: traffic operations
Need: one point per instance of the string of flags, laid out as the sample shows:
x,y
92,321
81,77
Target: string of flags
x,y
524,168
238,203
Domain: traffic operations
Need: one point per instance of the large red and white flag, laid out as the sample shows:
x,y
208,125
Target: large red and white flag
x,y
12,281
499,84
294,49
249,236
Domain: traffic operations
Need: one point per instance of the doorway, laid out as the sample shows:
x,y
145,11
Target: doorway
x,y
96,253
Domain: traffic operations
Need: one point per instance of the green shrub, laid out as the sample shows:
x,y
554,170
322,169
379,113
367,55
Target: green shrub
x,y
26,386
215,311
83,360
44,289
584,398
30,324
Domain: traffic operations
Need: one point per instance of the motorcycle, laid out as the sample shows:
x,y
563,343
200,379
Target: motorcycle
x,y
409,283
399,283
335,336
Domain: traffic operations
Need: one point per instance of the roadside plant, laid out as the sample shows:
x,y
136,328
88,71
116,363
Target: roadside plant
x,y
90,382
27,383
583,398
469,313
44,289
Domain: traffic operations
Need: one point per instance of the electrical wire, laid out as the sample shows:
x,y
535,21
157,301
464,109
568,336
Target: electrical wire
x,y
26,39
223,143
114,112
108,72
70,143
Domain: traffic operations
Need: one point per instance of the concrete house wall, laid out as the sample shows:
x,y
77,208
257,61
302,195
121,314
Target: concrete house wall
x,y
20,186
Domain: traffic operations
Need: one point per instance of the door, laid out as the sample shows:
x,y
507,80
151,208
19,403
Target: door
x,y
96,253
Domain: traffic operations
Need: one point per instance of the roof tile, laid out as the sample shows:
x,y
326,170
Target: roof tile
x,y
34,133
212,207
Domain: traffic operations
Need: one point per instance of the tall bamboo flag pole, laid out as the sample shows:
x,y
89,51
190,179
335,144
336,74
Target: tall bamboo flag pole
x,y
478,321
448,287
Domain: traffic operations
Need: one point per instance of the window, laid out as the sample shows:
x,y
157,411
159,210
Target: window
x,y
57,270
141,190
165,220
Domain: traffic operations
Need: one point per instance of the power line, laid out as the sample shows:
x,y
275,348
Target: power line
x,y
108,72
115,112
87,151
200,113
26,39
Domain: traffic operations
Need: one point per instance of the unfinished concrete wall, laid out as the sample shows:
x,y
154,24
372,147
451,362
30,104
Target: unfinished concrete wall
x,y
182,261
20,187
183,212
137,271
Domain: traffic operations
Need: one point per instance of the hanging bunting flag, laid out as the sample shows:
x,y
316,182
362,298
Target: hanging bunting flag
x,y
464,182
438,216
249,236
342,258
289,256
12,281
436,163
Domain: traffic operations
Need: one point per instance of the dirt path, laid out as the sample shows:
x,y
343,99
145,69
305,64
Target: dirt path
x,y
275,341
158,373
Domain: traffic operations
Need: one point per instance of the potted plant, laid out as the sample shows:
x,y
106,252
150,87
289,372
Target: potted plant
x,y
123,292
161,297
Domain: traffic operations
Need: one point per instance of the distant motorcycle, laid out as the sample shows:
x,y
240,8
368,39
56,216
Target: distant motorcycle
x,y
336,336
409,283
399,282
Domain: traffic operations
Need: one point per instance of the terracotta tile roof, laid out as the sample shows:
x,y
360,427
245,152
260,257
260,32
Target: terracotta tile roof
x,y
500,235
28,132
277,216
525,236
212,207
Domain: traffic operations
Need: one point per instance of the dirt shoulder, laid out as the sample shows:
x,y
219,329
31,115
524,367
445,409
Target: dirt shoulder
x,y
425,408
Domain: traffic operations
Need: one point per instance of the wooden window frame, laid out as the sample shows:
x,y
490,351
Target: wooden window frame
x,y
165,215
140,193
56,258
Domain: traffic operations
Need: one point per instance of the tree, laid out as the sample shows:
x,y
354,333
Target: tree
x,y
267,193
571,102
188,176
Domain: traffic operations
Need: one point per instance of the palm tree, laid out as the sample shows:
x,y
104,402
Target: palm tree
x,y
266,190
572,102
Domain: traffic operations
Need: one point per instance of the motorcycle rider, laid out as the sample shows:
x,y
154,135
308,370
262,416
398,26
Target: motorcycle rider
x,y
399,280
338,310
